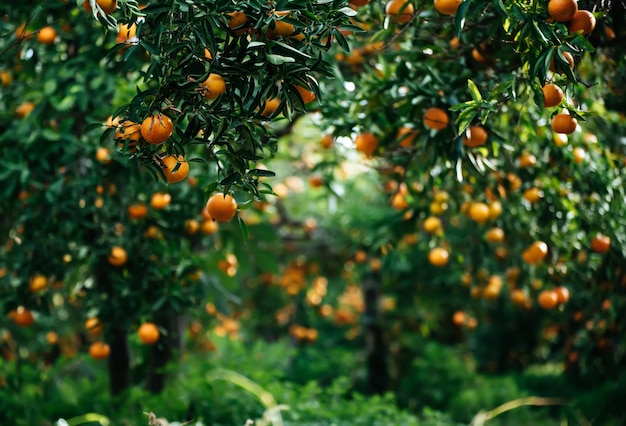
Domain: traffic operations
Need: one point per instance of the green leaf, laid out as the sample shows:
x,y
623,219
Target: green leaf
x,y
244,228
474,92
278,59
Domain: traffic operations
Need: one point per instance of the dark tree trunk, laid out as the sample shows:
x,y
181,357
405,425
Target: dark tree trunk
x,y
377,374
163,352
119,361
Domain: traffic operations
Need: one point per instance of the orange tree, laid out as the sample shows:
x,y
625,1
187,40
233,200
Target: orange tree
x,y
90,235
495,130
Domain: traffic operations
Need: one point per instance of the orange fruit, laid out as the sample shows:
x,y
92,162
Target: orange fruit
x,y
237,22
281,28
455,43
435,118
359,3
494,235
270,106
406,136
137,211
582,21
478,54
398,201
552,95
148,333
126,32
157,128
222,207
103,155
568,57
562,294
24,109
432,225
579,155
600,243
160,200
548,299
307,95
400,11
479,212
99,350
23,317
22,33
532,195
46,35
366,143
213,86
438,257
37,283
527,160
209,227
117,256
447,7
459,318
535,253
170,170
128,130
52,338
191,226
564,123
518,297
93,326
475,136
107,6
327,141
562,10
5,78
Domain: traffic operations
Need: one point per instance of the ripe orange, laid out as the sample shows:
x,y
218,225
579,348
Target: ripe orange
x,y
103,155
222,207
406,136
93,326
117,256
398,201
479,212
475,136
494,235
433,225
281,28
157,128
213,86
532,195
327,141
52,338
23,317
562,10
270,106
518,297
459,318
160,200
209,227
447,7
552,95
400,11
600,243
438,257
564,123
128,130
237,22
107,6
582,21
23,33
568,57
24,109
99,350
148,333
46,35
535,253
5,78
366,143
548,299
359,3
173,174
435,118
579,155
527,160
37,283
562,294
192,226
307,95
137,211
126,32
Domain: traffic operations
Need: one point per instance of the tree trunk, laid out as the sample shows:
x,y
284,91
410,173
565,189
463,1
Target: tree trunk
x,y
377,374
119,361
163,352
